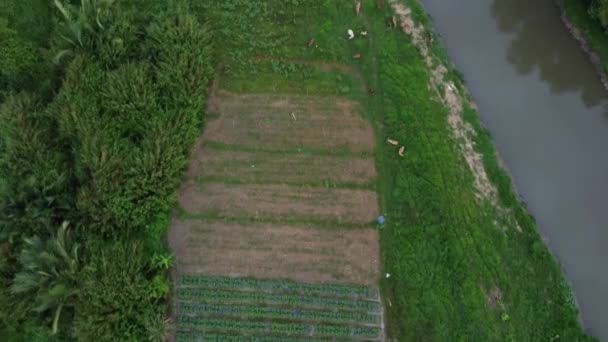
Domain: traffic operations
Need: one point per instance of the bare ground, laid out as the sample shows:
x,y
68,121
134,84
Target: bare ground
x,y
290,123
276,251
265,167
296,202
280,132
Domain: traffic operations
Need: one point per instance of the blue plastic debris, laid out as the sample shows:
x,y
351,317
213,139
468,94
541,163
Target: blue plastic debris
x,y
381,219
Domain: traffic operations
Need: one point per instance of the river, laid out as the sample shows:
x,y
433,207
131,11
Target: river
x,y
540,98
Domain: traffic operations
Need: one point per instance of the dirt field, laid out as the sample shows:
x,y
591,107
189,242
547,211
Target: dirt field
x,y
285,123
304,160
267,167
297,253
260,201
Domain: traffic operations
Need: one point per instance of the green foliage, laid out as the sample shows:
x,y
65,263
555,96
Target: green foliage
x,y
598,9
118,299
49,274
31,331
133,125
17,55
592,22
25,26
106,153
82,23
17,60
36,190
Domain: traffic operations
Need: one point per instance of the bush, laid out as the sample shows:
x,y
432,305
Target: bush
x,y
132,126
598,9
106,153
36,193
49,280
117,301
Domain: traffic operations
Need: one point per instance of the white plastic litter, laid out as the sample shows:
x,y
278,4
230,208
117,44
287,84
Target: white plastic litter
x,y
388,275
351,34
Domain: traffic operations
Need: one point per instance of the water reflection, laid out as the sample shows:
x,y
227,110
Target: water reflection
x,y
543,42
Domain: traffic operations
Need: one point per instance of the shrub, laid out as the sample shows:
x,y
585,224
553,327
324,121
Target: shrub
x,y
106,154
36,191
49,275
117,301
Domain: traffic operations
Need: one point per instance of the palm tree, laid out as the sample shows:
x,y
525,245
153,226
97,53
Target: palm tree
x,y
78,22
50,273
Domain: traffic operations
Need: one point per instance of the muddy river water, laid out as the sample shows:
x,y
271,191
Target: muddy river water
x,y
548,114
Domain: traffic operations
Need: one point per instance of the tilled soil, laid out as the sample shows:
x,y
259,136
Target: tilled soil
x,y
301,159
293,202
286,124
266,167
297,253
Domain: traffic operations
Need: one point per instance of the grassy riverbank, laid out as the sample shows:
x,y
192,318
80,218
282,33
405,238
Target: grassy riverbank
x,y
446,249
577,14
461,268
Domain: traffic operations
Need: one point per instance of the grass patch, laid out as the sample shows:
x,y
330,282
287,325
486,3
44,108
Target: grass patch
x,y
288,77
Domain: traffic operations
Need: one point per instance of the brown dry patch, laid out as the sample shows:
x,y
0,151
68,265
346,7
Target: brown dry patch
x,y
276,251
287,123
263,201
494,297
449,95
264,167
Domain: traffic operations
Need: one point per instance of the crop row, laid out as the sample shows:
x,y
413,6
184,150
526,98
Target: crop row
x,y
277,313
186,336
273,328
282,286
229,297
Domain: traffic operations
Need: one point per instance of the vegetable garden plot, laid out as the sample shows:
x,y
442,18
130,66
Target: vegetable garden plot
x,y
267,201
297,252
245,309
237,298
338,128
282,188
278,313
277,329
281,286
282,168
